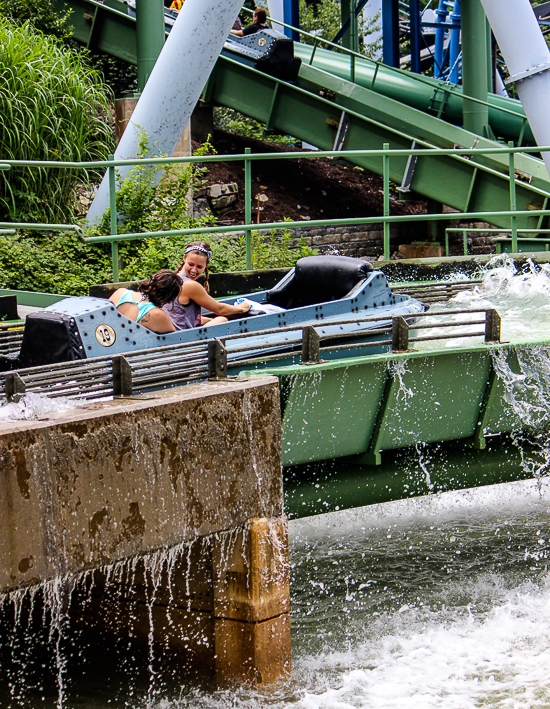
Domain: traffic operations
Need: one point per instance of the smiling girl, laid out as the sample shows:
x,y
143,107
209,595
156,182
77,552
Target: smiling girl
x,y
185,310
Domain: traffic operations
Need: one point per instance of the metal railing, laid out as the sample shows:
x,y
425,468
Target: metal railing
x,y
466,154
438,86
175,365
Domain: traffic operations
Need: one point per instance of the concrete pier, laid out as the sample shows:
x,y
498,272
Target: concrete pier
x,y
162,517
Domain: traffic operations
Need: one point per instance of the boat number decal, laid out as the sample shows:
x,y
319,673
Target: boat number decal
x,y
261,42
105,335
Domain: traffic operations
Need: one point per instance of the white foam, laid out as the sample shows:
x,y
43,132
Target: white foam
x,y
500,660
36,406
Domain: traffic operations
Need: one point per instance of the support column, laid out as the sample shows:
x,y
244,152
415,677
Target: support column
x,y
474,67
150,36
390,29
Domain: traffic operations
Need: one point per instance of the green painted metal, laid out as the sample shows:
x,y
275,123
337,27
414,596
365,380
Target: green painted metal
x,y
248,207
150,36
302,111
37,300
351,408
474,67
114,220
108,28
105,27
315,489
523,246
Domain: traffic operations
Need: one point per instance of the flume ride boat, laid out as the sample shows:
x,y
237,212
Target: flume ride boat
x,y
342,298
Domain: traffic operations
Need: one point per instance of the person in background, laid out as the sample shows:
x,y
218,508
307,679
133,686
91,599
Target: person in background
x,y
176,5
185,310
259,19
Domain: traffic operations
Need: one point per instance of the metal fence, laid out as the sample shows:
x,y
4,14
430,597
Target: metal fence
x,y
248,158
174,365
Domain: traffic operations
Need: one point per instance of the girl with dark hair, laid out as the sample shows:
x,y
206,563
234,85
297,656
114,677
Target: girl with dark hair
x,y
145,305
185,310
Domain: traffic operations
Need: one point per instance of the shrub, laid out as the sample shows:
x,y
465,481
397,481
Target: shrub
x,y
53,106
273,250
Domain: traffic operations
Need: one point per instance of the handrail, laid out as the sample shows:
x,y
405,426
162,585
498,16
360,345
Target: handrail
x,y
468,155
129,373
433,83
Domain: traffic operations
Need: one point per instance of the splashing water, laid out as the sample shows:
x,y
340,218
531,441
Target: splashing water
x,y
521,299
36,406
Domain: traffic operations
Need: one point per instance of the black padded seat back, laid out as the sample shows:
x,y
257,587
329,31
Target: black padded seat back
x,y
50,338
319,279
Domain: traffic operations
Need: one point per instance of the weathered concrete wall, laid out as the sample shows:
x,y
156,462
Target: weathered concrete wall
x,y
155,521
121,478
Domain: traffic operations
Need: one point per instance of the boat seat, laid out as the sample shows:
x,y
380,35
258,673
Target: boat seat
x,y
319,279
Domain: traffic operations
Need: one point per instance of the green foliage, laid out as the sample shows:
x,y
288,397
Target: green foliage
x,y
232,121
51,263
53,106
322,19
146,205
40,14
271,251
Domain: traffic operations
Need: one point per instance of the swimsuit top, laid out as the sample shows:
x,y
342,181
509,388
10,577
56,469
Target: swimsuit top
x,y
144,306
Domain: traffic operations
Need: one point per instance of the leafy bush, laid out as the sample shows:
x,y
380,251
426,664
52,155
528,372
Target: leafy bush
x,y
271,251
145,205
232,121
52,107
51,263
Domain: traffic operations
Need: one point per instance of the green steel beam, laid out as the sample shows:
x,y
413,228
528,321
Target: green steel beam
x,y
150,36
474,67
303,111
37,300
105,27
355,411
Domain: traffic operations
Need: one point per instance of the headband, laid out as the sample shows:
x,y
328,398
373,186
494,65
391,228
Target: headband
x,y
197,247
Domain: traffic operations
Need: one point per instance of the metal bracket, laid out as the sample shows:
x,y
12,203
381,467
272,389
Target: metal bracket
x,y
477,441
492,326
341,132
527,74
311,349
399,335
15,387
373,456
409,171
122,376
217,359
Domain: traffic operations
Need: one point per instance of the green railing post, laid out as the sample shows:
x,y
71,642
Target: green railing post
x,y
513,206
248,208
114,219
386,178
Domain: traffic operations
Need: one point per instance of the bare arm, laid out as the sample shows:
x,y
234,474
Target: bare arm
x,y
194,291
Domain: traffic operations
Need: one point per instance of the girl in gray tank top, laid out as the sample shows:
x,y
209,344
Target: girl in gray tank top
x,y
185,310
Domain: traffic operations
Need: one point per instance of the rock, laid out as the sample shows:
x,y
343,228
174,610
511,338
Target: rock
x,y
221,197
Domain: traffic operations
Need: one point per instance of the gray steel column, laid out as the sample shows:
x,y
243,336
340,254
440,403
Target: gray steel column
x,y
175,84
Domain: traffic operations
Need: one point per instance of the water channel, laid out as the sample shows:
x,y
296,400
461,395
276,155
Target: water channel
x,y
439,601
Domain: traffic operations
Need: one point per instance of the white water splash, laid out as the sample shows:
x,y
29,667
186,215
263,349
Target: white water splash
x,y
33,407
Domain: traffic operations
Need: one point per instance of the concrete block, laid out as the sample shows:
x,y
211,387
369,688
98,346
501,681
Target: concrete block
x,y
115,479
254,652
251,575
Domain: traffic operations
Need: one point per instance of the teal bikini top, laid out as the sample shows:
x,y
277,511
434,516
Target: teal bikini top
x,y
144,306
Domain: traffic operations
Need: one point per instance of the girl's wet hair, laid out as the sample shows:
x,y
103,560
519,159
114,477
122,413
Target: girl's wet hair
x,y
203,250
163,287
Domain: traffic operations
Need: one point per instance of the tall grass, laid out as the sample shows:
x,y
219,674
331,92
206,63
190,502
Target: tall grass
x,y
53,106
